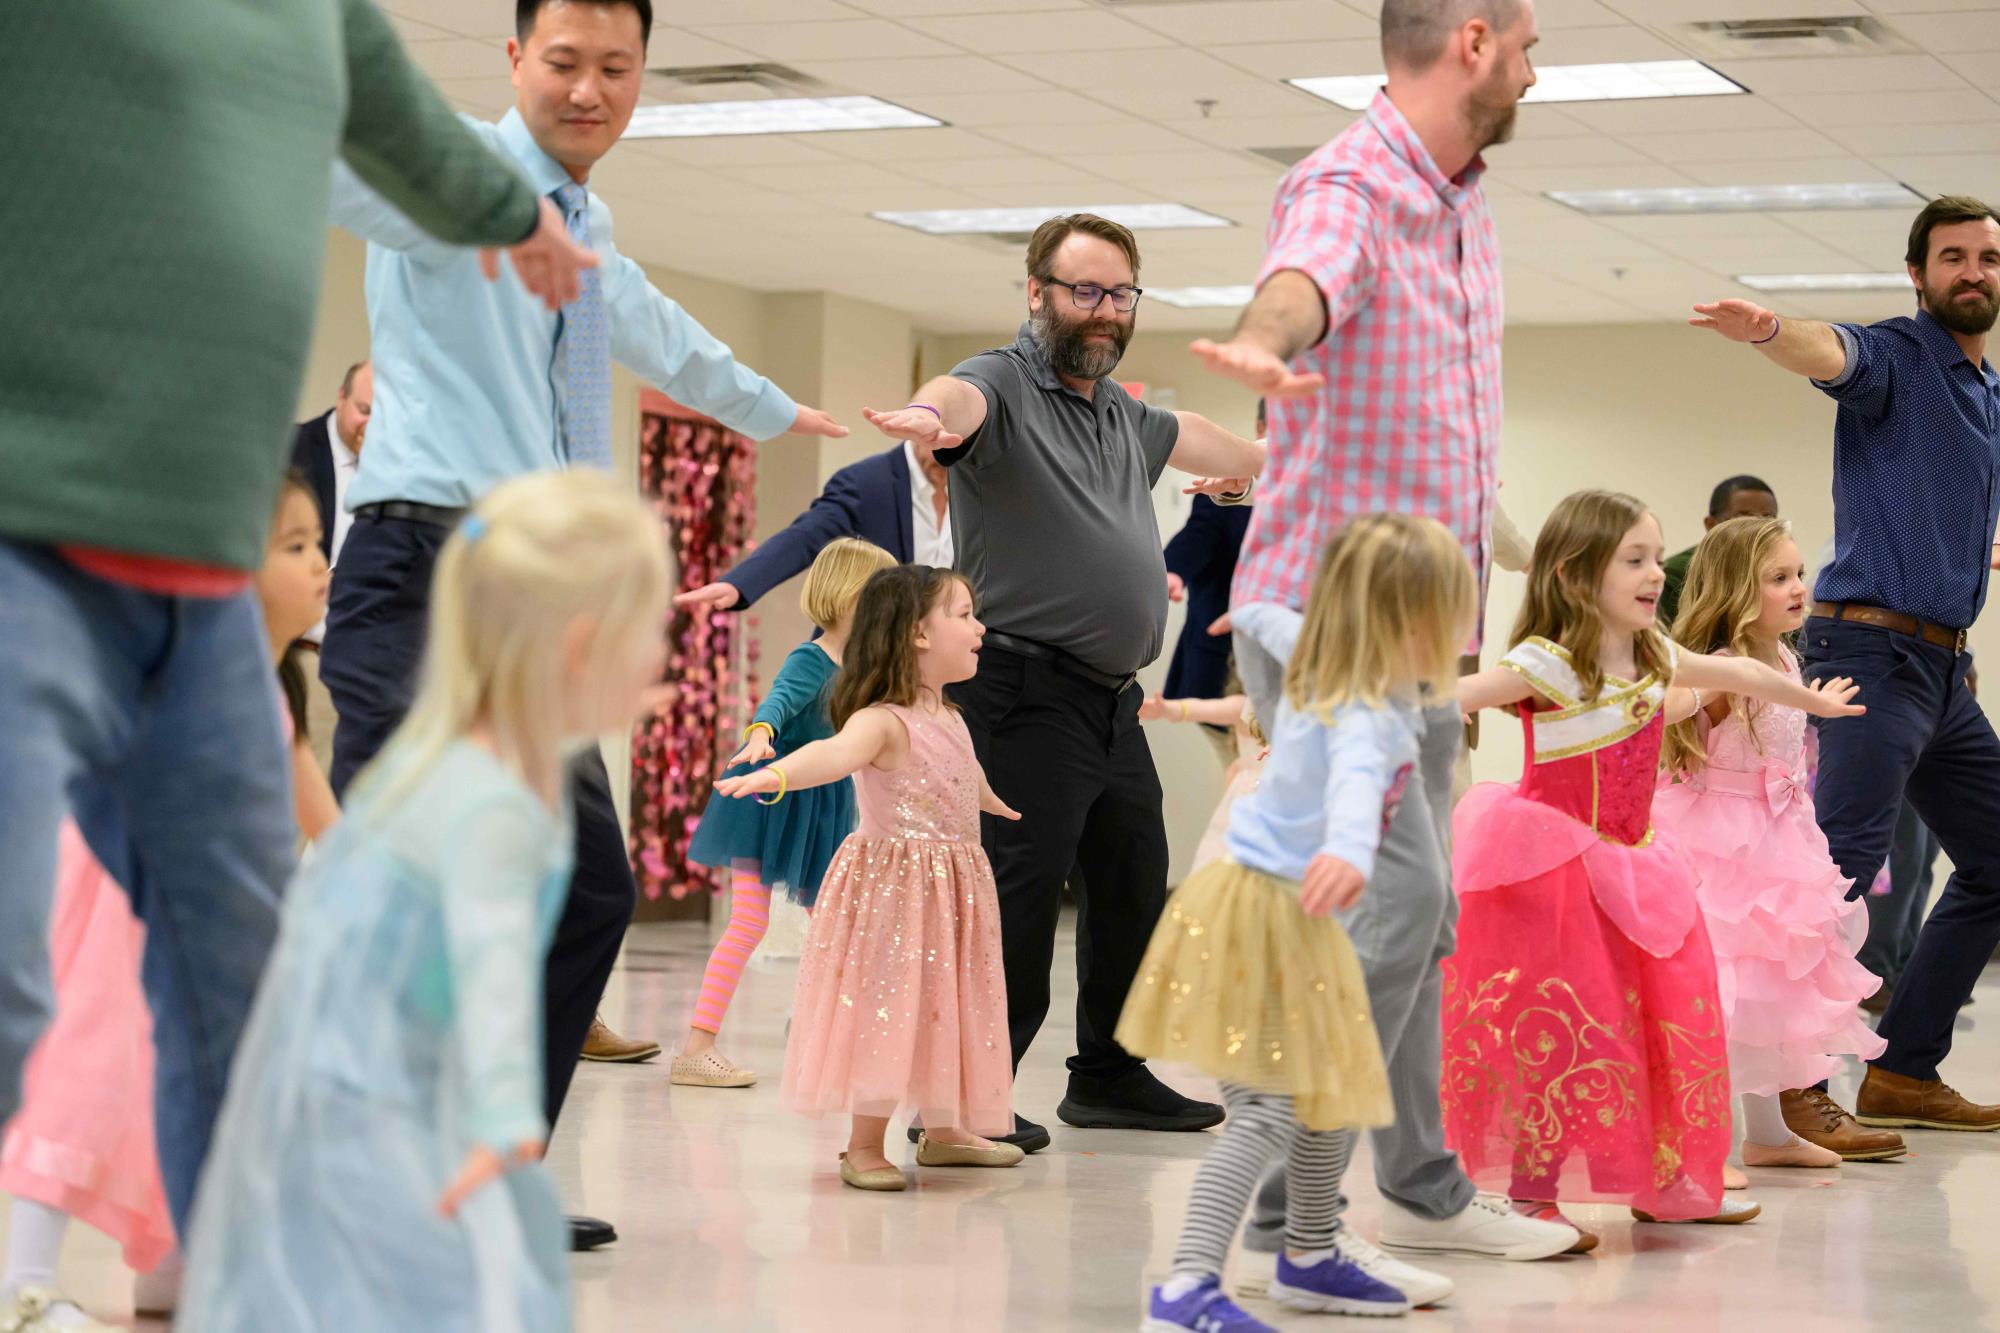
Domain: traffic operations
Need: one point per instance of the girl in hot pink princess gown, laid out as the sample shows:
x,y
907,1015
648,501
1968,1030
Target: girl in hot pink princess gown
x,y
901,1002
1584,1048
1785,935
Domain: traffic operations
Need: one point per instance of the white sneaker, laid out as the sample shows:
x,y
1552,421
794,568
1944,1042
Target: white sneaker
x,y
1486,1227
1419,1285
31,1309
1252,1272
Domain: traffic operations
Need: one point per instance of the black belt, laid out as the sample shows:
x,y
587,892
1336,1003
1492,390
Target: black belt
x,y
411,512
1062,661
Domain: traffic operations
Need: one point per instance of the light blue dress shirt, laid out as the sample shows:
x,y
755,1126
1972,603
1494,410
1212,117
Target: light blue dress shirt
x,y
1329,785
466,391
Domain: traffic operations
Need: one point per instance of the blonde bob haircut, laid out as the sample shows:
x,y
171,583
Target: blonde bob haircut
x,y
1721,600
543,595
1572,552
834,583
1390,611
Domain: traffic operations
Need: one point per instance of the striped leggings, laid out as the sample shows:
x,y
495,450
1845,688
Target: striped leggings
x,y
1260,1128
749,915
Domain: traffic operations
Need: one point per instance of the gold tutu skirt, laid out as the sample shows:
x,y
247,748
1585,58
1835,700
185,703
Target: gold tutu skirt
x,y
1241,984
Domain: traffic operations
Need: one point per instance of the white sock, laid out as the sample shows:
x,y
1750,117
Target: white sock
x,y
1309,1258
34,1244
1764,1123
1180,1284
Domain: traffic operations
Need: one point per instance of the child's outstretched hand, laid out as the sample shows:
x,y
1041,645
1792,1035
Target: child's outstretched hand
x,y
1831,696
1154,708
991,804
1330,885
751,784
755,750
483,1166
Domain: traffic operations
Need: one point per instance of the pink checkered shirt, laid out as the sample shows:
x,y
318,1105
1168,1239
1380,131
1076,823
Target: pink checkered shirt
x,y
1409,420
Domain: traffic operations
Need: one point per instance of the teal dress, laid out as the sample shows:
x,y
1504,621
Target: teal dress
x,y
398,1025
793,841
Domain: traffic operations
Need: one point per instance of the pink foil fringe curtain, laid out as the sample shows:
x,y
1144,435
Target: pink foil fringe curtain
x,y
701,477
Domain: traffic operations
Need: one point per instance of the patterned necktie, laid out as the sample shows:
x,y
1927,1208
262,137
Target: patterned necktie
x,y
583,352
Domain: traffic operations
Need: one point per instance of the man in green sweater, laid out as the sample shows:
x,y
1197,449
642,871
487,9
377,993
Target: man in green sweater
x,y
1738,497
164,248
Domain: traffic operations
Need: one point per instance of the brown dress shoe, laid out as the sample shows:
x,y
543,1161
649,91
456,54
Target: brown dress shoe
x,y
1891,1099
607,1047
1879,1001
1820,1120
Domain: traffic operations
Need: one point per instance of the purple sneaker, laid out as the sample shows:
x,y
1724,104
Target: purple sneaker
x,y
1335,1286
1203,1310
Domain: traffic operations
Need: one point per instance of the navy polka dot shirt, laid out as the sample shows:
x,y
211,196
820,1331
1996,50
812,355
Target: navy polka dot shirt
x,y
1916,472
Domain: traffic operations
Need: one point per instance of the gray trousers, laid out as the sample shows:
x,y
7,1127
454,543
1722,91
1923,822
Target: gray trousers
x,y
1403,929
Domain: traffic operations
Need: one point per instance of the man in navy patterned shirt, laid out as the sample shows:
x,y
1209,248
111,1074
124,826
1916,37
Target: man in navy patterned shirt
x,y
1916,492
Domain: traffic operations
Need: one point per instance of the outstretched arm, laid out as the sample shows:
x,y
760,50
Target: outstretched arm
x,y
1802,346
868,736
1743,675
940,414
1224,712
1207,450
1287,316
990,804
1495,687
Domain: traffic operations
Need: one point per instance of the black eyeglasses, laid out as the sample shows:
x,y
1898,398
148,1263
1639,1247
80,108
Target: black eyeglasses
x,y
1088,295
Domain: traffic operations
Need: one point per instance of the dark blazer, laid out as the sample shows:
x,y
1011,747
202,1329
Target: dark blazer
x,y
869,500
1204,553
312,458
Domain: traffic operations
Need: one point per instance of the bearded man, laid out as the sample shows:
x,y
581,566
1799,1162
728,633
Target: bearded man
x,y
1053,466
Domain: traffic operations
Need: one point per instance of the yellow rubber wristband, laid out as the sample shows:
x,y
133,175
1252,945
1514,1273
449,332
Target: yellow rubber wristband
x,y
784,785
1184,710
765,725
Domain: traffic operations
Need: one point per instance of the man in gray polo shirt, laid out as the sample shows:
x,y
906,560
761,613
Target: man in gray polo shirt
x,y
1053,468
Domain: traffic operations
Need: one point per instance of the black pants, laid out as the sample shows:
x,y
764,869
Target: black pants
x,y
1923,739
374,642
1071,757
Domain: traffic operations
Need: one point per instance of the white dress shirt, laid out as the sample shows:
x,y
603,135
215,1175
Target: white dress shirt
x,y
345,461
930,536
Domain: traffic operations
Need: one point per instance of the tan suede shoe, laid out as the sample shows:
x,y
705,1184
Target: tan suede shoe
x,y
607,1047
1891,1099
1825,1123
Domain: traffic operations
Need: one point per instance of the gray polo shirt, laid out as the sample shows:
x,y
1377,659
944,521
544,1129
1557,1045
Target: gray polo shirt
x,y
1052,510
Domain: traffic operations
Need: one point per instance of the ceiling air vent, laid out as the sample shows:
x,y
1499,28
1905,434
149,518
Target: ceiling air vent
x,y
1751,39
731,83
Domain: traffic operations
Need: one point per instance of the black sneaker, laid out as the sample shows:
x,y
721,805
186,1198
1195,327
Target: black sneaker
x,y
1135,1100
1027,1136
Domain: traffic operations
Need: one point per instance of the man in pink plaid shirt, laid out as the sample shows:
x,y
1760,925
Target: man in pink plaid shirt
x,y
1375,334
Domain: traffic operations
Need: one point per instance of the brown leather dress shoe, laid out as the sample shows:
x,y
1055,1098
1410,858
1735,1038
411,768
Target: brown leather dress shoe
x,y
1820,1120
607,1047
1879,1001
1891,1099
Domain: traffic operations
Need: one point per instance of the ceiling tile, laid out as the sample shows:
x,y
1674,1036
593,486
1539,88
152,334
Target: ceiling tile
x,y
822,176
677,48
915,145
1637,176
1593,150
461,58
1035,107
1855,74
1730,255
899,80
1552,14
852,39
924,8
1304,60
1795,171
743,150
468,18
1926,6
694,13
1954,173
1748,146
1875,140
998,171
1689,11
412,30
1191,164
1305,131
1218,24
1681,115
998,34
1078,143
1980,67
1597,46
490,97
1954,33
1829,110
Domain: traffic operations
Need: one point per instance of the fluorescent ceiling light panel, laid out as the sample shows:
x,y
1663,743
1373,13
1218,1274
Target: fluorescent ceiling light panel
x,y
784,115
1737,199
1010,221
1202,298
1827,282
1622,82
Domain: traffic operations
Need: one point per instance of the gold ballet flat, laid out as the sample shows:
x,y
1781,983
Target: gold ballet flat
x,y
932,1153
886,1178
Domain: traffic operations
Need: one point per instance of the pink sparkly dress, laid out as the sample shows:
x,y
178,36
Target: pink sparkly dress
x,y
901,1003
82,1141
1784,935
1584,1054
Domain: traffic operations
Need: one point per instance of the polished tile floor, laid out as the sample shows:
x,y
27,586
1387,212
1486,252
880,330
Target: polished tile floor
x,y
732,1217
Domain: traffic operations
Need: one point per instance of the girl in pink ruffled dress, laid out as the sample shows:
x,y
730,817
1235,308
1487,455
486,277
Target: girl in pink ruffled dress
x,y
1584,1048
901,1002
1785,935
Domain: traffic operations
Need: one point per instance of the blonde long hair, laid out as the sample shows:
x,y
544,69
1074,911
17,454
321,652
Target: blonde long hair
x,y
1720,602
833,584
1390,609
537,557
1572,552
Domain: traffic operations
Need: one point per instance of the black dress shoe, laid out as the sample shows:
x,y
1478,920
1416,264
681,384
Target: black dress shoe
x,y
587,1233
1135,1100
1027,1136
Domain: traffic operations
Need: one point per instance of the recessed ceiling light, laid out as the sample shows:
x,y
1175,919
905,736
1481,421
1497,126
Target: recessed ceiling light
x,y
1009,221
1828,282
1738,198
784,115
1203,298
1625,81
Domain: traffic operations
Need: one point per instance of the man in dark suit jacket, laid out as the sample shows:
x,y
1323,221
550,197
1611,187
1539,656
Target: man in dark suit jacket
x,y
329,445
871,499
1201,561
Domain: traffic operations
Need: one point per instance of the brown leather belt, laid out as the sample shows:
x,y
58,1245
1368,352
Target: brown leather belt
x,y
1882,618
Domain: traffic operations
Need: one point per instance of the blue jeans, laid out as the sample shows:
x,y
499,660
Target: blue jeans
x,y
1895,917
1923,739
155,722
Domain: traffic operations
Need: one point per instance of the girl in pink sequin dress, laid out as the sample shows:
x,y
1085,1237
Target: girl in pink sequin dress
x,y
1583,1033
1776,906
901,1002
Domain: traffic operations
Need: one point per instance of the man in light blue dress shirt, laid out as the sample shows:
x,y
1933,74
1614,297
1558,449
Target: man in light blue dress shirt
x,y
477,382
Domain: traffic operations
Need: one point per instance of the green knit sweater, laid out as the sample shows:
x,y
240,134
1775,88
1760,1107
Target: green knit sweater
x,y
161,238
